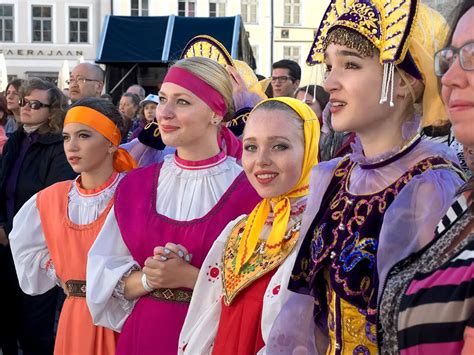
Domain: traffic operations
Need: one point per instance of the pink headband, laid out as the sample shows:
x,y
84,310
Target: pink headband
x,y
198,87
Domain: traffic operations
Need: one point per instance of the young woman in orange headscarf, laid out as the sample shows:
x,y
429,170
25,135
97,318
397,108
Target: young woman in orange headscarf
x,y
55,229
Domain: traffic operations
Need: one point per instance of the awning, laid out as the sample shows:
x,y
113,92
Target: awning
x,y
161,39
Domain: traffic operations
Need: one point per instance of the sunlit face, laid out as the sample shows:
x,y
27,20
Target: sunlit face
x,y
273,152
309,101
282,87
80,89
127,108
184,119
349,75
149,111
458,86
13,98
86,149
28,116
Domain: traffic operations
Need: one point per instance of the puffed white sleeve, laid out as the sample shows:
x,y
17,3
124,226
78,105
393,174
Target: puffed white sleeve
x,y
33,263
109,260
202,320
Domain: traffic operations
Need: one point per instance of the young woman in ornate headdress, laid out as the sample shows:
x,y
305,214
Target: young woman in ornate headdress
x,y
426,306
241,285
146,260
373,207
55,229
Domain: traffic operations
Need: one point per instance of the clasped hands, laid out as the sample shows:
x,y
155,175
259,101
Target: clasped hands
x,y
170,267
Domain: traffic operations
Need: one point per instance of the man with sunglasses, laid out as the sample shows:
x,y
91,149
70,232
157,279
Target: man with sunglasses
x,y
286,76
87,80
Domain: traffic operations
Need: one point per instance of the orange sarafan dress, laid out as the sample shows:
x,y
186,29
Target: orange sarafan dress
x,y
49,248
68,245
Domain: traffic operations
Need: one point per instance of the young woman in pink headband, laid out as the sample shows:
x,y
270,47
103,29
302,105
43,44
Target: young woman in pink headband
x,y
145,262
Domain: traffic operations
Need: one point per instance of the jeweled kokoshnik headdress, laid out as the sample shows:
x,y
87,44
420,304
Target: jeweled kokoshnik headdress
x,y
209,47
406,34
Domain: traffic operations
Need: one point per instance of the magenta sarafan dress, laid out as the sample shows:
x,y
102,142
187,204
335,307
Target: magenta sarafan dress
x,y
154,325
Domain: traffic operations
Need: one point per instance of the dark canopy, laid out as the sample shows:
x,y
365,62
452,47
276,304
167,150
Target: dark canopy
x,y
160,39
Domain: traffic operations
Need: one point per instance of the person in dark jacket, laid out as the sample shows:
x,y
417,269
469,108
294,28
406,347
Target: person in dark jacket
x,y
33,159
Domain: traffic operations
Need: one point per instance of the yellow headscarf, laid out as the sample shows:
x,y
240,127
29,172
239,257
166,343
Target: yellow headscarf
x,y
282,209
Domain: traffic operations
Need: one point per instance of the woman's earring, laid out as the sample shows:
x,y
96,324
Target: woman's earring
x,y
215,121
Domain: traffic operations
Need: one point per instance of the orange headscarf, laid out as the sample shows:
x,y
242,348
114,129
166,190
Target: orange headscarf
x,y
104,125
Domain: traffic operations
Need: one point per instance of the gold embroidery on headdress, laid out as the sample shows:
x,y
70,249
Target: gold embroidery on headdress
x,y
394,27
353,40
209,47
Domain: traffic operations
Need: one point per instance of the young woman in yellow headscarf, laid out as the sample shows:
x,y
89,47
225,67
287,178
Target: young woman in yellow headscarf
x,y
242,283
55,229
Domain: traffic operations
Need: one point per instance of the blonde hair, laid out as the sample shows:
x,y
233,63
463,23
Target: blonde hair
x,y
213,74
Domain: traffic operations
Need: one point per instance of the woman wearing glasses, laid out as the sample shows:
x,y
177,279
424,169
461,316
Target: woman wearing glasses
x,y
427,306
33,160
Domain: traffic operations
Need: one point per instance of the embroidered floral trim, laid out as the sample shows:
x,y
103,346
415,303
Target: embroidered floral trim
x,y
259,264
296,210
344,238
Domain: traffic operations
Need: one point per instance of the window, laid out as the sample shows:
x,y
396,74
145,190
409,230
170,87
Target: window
x,y
78,25
186,8
249,11
6,23
42,21
292,53
139,8
292,12
216,8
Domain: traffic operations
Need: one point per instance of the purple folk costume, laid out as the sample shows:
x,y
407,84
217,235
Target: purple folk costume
x,y
154,324
364,216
